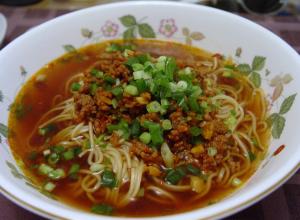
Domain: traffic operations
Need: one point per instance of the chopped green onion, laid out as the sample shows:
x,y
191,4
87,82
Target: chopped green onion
x,y
96,167
236,181
175,175
74,168
185,71
230,122
137,67
141,85
117,91
252,156
32,155
97,73
75,86
49,186
196,91
44,169
145,137
153,106
181,86
167,155
114,103
53,158
131,90
109,79
193,104
135,128
69,154
195,131
108,179
141,74
156,134
193,170
93,88
77,150
56,174
57,149
113,48
102,209
228,74
212,151
166,124
47,129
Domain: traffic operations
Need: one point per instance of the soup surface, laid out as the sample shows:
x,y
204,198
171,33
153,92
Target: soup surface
x,y
141,129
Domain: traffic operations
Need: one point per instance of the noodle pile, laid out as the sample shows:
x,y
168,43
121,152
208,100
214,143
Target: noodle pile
x,y
235,102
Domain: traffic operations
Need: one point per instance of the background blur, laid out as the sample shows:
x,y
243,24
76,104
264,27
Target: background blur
x,y
282,17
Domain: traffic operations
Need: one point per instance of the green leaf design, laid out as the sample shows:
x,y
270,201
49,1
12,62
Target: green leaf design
x,y
186,31
272,118
238,52
14,171
146,31
278,125
69,48
188,41
3,130
129,33
197,36
86,33
1,96
258,63
23,70
128,20
287,104
0,140
255,79
244,68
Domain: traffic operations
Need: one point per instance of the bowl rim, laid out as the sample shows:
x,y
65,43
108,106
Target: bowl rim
x,y
38,206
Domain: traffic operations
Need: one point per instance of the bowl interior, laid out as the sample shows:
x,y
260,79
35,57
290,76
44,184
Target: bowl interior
x,y
210,29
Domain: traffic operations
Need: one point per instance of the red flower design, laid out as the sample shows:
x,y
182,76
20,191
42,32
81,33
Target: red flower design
x,y
167,27
110,29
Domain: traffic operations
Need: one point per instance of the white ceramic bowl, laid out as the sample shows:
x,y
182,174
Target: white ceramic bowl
x,y
211,29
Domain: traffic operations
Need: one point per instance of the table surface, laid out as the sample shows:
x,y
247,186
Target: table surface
x,y
284,203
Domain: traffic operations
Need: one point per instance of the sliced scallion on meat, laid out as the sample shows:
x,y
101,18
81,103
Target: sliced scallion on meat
x,y
212,151
153,106
97,73
195,131
135,128
145,137
166,124
131,90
